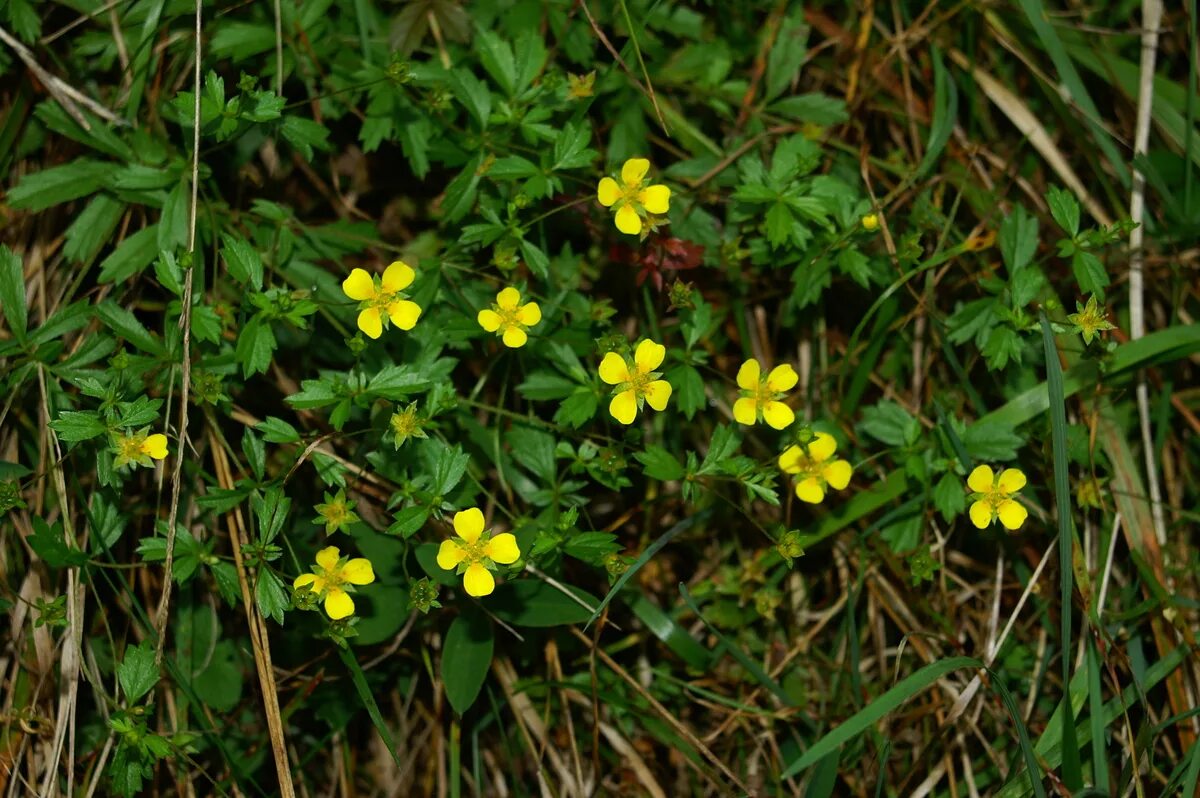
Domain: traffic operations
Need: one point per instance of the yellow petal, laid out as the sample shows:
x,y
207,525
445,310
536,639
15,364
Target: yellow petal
x,y
469,524
370,321
489,320
359,285
748,375
397,277
328,558
1012,514
981,513
782,378
981,480
613,369
508,299
745,411
655,199
778,415
649,356
358,571
338,604
623,407
628,221
608,191
1011,480
450,554
404,314
809,490
514,337
791,460
307,579
503,549
478,580
837,474
634,170
657,393
155,446
822,447
529,314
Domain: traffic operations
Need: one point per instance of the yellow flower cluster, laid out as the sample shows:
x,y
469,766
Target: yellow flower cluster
x,y
993,496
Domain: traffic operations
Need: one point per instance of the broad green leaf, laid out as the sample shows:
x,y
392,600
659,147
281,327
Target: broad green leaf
x,y
466,658
12,292
137,672
531,602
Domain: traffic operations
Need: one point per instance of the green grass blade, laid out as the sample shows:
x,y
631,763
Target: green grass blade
x,y
1072,772
1035,12
1096,719
368,700
877,710
945,112
650,551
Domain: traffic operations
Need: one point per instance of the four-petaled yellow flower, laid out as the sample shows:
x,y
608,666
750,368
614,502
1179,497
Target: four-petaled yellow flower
x,y
381,298
332,578
140,448
510,318
994,497
636,380
761,395
476,552
815,469
632,200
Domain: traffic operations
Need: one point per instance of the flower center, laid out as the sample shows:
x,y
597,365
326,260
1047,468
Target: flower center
x,y
131,447
763,394
477,551
630,192
638,380
508,318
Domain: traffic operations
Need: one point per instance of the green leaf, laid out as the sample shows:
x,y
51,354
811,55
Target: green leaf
x,y
992,441
272,597
255,346
137,672
820,109
890,423
787,55
949,497
448,465
473,94
12,292
461,191
51,547
131,256
173,223
660,464
1065,210
305,135
466,658
396,381
126,325
1018,239
276,430
779,223
534,449
1003,344
79,178
409,520
242,260
689,389
531,602
513,167
497,58
945,112
1089,273
92,229
78,425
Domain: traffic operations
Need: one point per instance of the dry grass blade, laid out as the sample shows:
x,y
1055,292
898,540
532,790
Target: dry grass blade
x,y
1028,124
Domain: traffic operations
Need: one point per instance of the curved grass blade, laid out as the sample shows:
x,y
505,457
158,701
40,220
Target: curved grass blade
x,y
650,551
735,651
368,700
1072,770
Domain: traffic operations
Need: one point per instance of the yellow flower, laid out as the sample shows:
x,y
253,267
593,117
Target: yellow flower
x,y
994,497
332,578
381,298
632,200
581,86
140,448
815,469
475,553
761,395
636,380
870,222
510,318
